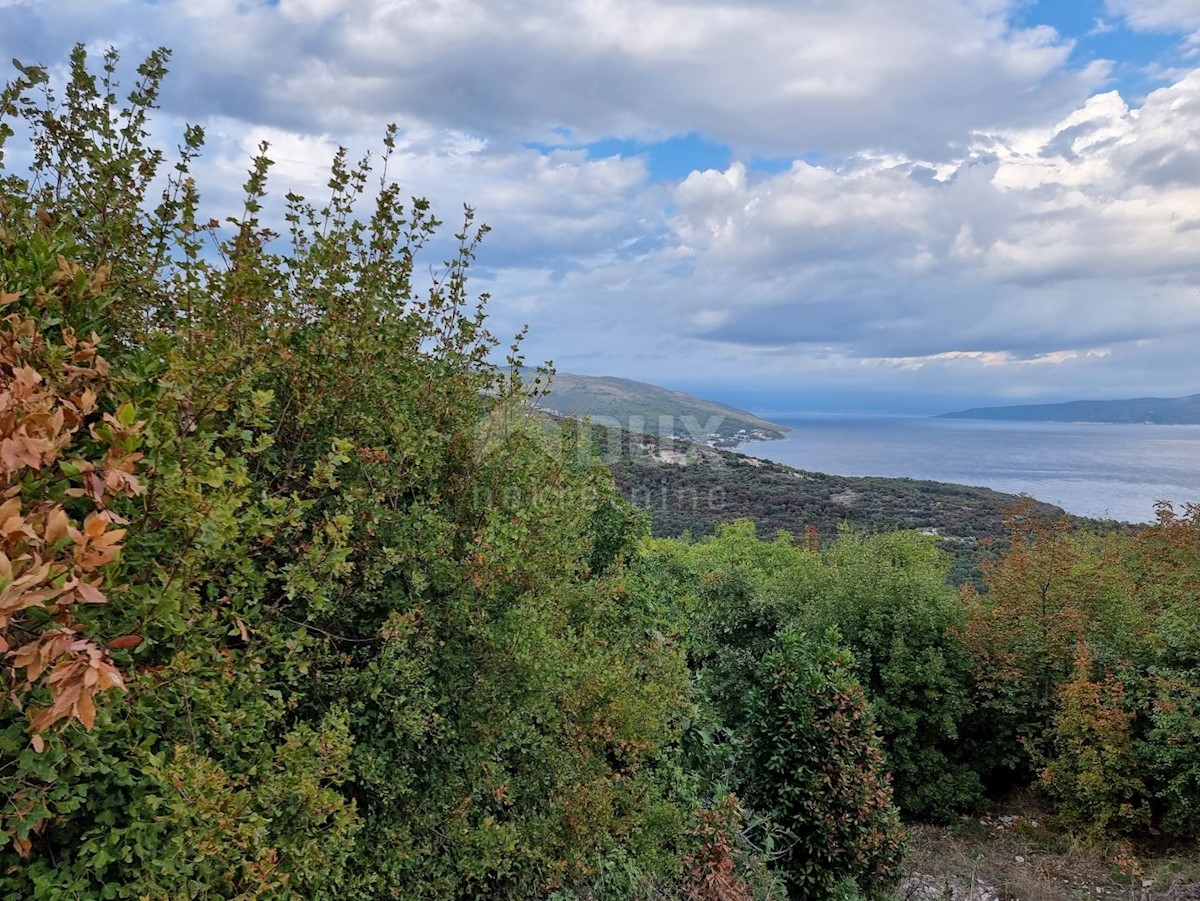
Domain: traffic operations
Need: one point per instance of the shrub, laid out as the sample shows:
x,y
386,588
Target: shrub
x,y
386,648
889,600
1093,774
815,765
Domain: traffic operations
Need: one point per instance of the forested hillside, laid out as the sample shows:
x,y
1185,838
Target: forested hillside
x,y
640,407
300,600
690,489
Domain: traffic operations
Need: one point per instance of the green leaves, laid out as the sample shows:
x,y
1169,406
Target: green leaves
x,y
376,656
816,764
34,75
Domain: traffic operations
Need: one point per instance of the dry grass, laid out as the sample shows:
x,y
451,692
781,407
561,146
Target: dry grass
x,y
1017,855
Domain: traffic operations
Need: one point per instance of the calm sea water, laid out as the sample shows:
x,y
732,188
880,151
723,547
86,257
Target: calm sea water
x,y
1089,469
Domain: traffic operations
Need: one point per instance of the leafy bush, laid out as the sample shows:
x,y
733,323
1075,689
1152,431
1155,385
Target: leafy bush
x,y
1169,751
816,766
1048,591
373,630
889,600
887,597
1113,730
739,592
1093,773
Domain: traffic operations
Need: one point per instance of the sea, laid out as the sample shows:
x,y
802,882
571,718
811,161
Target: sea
x,y
1089,469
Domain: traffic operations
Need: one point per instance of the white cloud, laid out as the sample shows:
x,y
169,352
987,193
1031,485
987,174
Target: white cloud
x,y
1044,249
1158,15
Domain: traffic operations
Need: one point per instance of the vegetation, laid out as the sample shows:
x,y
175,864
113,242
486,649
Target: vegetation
x,y
699,488
276,497
640,407
299,599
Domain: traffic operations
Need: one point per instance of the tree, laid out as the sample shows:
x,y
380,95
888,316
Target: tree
x,y
889,600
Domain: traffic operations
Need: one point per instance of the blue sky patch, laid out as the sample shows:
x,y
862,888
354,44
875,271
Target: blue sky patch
x,y
669,160
1138,56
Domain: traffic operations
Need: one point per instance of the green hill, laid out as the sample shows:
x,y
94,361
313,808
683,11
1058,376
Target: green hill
x,y
643,408
1156,410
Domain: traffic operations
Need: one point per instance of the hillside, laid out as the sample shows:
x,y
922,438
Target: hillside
x,y
690,488
1156,410
641,407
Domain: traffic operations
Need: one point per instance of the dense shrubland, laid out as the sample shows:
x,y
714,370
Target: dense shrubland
x,y
298,601
718,486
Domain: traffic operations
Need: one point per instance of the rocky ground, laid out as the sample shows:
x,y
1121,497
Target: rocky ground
x,y
1017,855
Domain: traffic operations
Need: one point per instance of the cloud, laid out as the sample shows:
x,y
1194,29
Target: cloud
x,y
1043,240
1158,15
765,77
961,207
1047,262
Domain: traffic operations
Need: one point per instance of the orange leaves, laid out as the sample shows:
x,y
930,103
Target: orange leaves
x,y
89,592
44,558
80,669
1039,599
26,584
39,655
372,455
1094,771
57,525
40,411
96,545
34,442
49,397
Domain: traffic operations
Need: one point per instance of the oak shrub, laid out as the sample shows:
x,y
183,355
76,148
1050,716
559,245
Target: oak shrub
x,y
373,639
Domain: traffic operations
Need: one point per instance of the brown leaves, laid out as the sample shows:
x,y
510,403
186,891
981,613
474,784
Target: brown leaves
x,y
81,669
712,869
40,411
96,544
49,397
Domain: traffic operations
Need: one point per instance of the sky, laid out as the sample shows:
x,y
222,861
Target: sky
x,y
793,205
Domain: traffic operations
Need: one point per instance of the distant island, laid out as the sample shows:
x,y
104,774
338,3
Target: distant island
x,y
641,407
1138,410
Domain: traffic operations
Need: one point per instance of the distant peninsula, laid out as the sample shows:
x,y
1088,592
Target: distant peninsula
x,y
1138,410
641,407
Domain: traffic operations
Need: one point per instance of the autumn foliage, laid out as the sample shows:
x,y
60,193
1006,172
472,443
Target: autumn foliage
x,y
64,461
712,870
1084,651
1093,766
